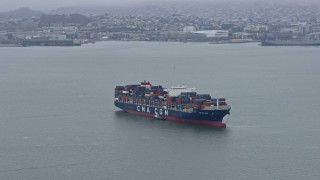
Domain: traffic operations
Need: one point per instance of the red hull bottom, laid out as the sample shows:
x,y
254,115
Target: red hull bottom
x,y
210,123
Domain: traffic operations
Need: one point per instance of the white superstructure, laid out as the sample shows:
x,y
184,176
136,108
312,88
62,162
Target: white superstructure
x,y
177,90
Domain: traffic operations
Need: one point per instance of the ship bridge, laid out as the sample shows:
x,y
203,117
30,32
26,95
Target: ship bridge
x,y
177,90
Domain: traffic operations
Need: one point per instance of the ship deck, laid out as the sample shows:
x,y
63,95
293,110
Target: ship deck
x,y
183,107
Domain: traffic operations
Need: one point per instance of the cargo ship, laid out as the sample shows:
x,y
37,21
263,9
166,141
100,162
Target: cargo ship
x,y
308,40
178,103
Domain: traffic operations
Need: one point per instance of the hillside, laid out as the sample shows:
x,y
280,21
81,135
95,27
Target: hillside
x,y
23,12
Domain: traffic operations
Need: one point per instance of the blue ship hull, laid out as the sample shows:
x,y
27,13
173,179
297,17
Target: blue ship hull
x,y
208,117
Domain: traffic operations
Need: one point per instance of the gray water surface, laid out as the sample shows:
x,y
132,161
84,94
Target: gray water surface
x,y
57,119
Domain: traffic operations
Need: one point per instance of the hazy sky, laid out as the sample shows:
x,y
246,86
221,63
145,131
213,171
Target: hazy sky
x,y
53,4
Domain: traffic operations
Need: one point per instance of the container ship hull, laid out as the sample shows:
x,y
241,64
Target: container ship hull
x,y
180,103
290,43
212,117
308,40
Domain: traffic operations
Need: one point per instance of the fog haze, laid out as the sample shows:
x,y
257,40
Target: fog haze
x,y
52,4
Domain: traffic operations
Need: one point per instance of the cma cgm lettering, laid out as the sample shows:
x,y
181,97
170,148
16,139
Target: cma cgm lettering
x,y
143,109
154,110
178,103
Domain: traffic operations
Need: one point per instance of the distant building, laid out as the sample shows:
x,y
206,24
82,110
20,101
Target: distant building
x,y
58,37
189,29
3,37
214,34
259,28
236,29
262,28
304,29
206,27
287,30
241,35
226,26
316,29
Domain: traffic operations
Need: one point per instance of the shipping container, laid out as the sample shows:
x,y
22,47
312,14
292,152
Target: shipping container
x,y
221,103
208,103
198,100
196,103
190,94
203,96
185,99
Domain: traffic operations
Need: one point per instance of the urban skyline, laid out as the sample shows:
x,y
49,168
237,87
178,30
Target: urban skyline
x,y
188,22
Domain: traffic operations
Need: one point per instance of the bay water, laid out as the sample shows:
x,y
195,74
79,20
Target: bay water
x,y
58,121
